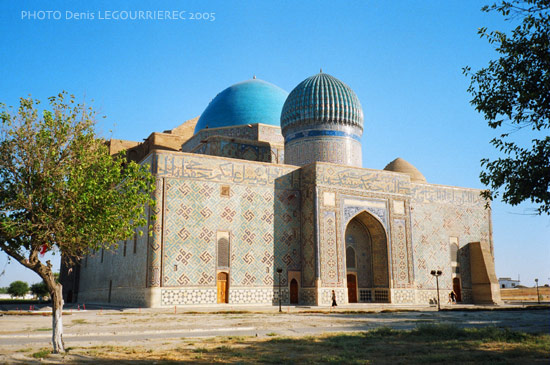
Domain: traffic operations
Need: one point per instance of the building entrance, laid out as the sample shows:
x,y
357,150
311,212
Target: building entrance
x,y
367,267
223,286
293,291
456,289
352,289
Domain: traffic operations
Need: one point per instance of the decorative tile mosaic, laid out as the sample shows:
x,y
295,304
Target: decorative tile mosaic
x,y
308,296
223,170
438,213
188,296
346,177
264,226
430,296
338,150
236,148
243,131
308,237
358,237
325,296
270,134
155,239
258,295
330,260
402,296
400,256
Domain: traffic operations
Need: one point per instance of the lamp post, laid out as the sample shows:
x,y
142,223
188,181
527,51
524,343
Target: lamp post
x,y
538,296
437,274
279,271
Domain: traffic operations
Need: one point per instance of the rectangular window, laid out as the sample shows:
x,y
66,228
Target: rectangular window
x,y
102,250
124,249
223,249
453,241
135,241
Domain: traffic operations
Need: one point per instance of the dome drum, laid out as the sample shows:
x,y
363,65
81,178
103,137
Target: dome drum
x,y
342,151
324,130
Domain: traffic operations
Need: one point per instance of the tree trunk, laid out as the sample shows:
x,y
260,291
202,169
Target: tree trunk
x,y
54,288
57,322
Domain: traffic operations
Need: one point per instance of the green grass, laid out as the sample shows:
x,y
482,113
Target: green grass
x,y
42,354
43,329
28,349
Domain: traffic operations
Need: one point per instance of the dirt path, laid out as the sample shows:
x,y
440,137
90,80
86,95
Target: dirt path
x,y
99,327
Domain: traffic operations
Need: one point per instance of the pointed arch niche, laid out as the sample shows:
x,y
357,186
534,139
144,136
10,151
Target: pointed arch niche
x,y
367,264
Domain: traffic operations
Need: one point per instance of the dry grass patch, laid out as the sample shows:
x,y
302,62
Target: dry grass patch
x,y
425,344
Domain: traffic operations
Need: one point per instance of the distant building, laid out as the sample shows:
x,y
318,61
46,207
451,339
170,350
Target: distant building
x,y
505,283
266,192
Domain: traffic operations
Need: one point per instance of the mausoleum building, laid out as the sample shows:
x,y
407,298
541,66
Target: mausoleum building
x,y
266,180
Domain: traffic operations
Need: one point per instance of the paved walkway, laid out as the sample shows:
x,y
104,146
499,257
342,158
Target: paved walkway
x,y
99,325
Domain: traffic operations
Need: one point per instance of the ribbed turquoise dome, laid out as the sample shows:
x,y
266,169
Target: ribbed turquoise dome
x,y
248,102
321,99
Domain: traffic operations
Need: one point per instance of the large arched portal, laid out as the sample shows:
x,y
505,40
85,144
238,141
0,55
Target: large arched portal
x,y
367,260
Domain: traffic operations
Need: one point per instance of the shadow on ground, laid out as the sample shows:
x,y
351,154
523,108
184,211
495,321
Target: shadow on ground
x,y
424,344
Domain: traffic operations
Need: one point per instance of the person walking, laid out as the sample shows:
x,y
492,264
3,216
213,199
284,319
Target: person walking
x,y
334,299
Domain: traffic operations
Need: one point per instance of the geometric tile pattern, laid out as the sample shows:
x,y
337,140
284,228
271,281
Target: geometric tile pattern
x,y
188,296
308,237
329,250
275,216
155,240
344,151
325,297
308,296
400,296
437,214
399,254
258,295
263,224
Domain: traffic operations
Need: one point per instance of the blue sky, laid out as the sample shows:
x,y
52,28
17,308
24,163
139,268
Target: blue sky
x,y
404,60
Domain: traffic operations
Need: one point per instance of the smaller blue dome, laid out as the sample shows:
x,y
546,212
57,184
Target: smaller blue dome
x,y
248,102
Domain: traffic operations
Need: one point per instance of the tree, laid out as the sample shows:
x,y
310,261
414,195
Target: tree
x,y
18,289
39,290
61,191
514,91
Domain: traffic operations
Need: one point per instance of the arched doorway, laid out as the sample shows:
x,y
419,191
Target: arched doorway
x,y
223,287
367,260
294,292
352,288
456,289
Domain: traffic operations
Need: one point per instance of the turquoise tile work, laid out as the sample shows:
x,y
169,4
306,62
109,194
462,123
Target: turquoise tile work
x,y
438,213
263,224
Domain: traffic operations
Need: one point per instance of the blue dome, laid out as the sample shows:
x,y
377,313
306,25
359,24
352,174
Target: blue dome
x,y
248,102
321,99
